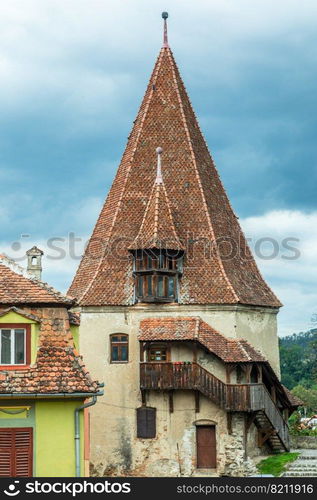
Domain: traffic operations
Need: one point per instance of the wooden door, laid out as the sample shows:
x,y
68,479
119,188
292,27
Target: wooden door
x,y
16,452
206,447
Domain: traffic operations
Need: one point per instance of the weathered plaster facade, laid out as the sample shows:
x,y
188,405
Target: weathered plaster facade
x,y
115,449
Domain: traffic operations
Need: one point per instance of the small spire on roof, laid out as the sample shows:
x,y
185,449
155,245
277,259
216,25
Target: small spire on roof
x,y
159,179
165,40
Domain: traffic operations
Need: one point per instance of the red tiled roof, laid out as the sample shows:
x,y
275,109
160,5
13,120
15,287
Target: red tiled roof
x,y
157,229
58,368
193,328
18,287
294,400
218,266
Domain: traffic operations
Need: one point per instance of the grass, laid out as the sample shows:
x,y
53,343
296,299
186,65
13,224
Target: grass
x,y
276,464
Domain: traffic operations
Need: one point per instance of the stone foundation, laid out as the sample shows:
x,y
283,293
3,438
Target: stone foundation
x,y
237,465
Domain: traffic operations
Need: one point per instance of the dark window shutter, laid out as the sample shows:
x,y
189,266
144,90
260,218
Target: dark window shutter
x,y
146,422
16,452
23,452
6,452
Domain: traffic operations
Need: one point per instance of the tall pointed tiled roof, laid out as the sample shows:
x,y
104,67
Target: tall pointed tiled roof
x,y
218,266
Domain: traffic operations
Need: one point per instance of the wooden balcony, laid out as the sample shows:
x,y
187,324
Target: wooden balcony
x,y
166,376
171,376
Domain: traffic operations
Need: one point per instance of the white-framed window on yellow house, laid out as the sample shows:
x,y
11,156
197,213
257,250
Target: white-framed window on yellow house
x,y
14,345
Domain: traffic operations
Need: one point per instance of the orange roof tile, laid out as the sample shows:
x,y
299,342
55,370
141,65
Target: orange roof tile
x,y
19,287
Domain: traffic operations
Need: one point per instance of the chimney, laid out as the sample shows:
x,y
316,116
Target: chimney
x,y
34,256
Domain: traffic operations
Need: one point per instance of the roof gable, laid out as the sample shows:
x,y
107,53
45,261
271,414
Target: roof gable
x,y
157,229
17,286
15,315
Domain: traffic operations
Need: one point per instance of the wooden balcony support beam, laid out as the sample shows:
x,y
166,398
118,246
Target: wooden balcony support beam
x,y
229,422
197,402
264,435
143,397
171,401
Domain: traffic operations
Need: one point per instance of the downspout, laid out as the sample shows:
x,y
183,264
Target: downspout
x,y
77,429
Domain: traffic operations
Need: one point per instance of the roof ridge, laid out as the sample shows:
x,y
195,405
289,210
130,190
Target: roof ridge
x,y
244,341
15,268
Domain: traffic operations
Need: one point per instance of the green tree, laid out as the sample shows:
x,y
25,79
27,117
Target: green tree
x,y
313,357
309,398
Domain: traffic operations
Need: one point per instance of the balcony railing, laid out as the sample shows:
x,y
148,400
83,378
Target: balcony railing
x,y
230,397
168,376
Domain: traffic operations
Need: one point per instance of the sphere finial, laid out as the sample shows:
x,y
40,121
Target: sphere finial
x,y
165,40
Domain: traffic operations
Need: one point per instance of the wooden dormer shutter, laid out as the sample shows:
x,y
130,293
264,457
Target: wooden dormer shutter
x,y
146,422
16,452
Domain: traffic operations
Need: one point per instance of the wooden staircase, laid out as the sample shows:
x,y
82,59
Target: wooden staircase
x,y
251,398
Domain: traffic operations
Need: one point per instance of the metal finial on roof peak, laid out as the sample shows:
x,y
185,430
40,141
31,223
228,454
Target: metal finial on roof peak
x,y
159,179
165,39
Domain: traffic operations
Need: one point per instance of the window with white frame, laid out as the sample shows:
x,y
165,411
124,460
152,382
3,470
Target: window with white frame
x,y
12,346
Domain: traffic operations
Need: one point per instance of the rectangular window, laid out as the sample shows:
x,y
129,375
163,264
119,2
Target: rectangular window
x,y
160,286
146,422
13,346
149,286
162,260
119,348
171,286
158,353
140,286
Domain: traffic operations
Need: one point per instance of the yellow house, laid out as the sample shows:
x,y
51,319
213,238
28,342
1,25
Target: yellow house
x,y
45,390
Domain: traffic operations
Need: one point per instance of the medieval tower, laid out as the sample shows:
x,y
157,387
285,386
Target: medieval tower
x,y
176,318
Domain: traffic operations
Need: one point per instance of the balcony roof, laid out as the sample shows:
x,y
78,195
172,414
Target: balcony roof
x,y
194,328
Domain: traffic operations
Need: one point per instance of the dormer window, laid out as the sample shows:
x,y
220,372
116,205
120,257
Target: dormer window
x,y
156,275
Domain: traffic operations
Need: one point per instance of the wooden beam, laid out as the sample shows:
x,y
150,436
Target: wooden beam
x,y
143,395
250,420
229,422
195,352
248,373
264,435
229,369
245,436
171,401
273,393
142,351
260,373
197,402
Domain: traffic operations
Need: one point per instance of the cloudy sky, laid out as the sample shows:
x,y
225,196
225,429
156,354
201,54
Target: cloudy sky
x,y
72,74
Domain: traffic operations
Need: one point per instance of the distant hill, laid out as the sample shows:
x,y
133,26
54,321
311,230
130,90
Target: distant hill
x,y
298,359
